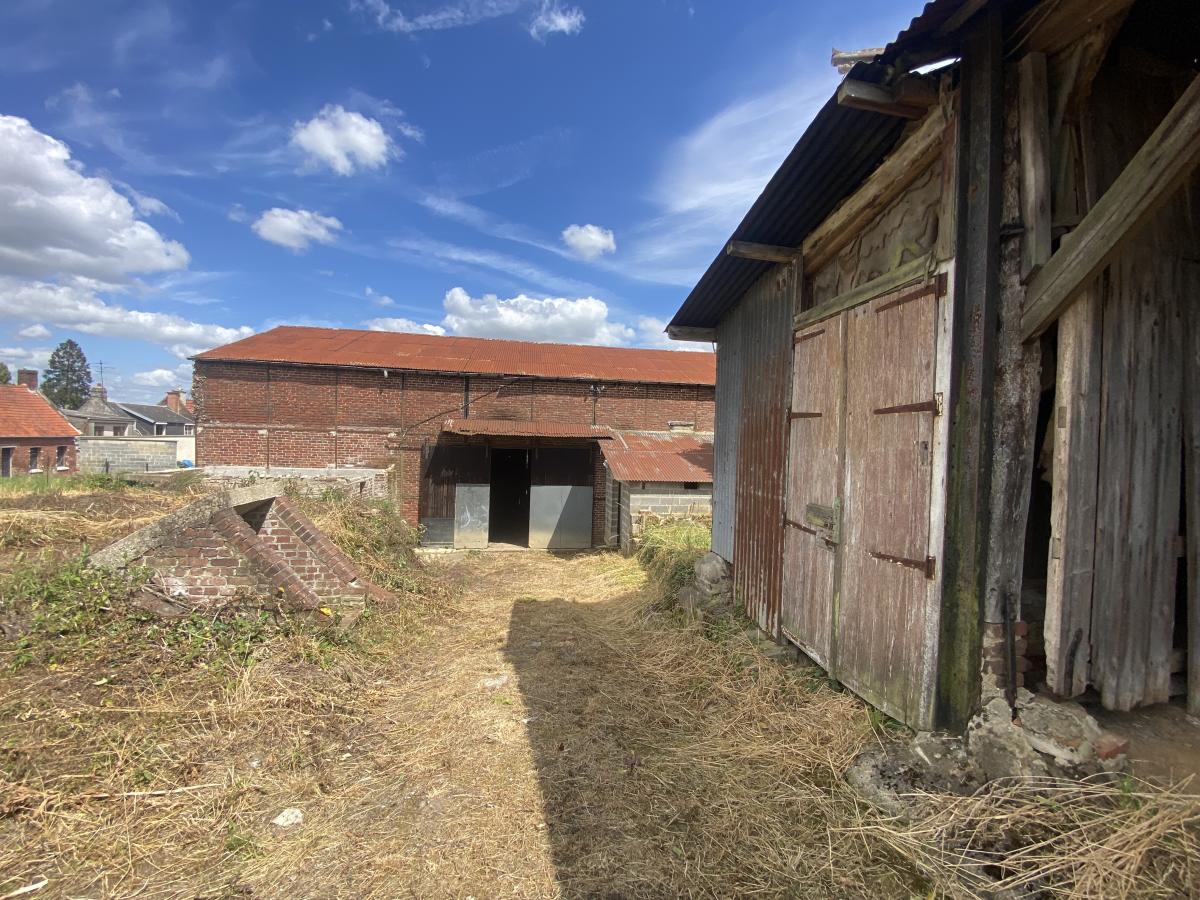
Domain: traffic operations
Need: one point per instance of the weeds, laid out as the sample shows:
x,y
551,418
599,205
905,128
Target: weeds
x,y
669,548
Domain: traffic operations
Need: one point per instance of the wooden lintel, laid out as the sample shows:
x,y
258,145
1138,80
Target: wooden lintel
x,y
689,333
908,99
909,273
1169,155
893,176
1048,28
761,252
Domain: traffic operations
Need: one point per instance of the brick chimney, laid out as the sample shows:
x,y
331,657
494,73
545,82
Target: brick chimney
x,y
174,401
28,377
100,392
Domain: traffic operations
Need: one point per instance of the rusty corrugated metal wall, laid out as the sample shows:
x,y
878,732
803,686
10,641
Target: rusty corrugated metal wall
x,y
754,354
730,366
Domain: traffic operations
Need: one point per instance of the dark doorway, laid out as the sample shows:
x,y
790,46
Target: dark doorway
x,y
6,455
508,521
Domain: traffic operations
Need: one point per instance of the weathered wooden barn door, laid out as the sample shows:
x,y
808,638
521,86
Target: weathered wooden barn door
x,y
885,639
814,488
859,590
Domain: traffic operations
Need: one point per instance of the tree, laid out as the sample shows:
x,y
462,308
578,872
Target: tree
x,y
68,376
5,375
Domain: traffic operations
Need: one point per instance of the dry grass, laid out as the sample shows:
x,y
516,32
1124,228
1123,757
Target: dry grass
x,y
512,725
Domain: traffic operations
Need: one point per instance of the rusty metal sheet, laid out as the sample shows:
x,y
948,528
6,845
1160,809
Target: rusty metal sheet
x,y
882,633
761,336
434,353
814,488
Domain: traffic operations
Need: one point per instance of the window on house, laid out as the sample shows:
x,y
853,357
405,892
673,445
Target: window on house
x,y
60,457
160,428
691,486
35,457
118,431
97,430
189,429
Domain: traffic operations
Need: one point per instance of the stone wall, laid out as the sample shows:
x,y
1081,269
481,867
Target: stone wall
x,y
105,455
363,482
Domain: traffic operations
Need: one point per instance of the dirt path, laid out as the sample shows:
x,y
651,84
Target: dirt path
x,y
546,743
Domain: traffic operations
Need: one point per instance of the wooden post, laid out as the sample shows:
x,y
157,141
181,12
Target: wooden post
x,y
1190,296
973,348
1035,163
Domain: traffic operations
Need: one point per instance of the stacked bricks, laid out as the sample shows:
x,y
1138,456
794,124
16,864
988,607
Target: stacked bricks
x,y
203,566
303,553
995,657
283,581
124,454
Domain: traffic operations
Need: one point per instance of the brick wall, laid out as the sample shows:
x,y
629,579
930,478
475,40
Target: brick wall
x,y
47,454
251,414
202,567
310,567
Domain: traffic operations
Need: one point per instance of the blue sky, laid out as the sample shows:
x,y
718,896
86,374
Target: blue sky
x,y
176,175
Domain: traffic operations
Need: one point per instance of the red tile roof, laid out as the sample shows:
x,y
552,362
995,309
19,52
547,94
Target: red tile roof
x,y
25,414
660,457
431,353
524,428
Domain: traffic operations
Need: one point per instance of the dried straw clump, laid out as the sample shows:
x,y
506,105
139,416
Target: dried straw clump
x,y
1052,837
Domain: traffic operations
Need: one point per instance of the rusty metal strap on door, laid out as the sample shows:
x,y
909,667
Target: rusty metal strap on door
x,y
799,527
935,288
804,415
810,335
933,405
925,565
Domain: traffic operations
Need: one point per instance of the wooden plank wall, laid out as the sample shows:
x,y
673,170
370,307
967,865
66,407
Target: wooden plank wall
x,y
730,366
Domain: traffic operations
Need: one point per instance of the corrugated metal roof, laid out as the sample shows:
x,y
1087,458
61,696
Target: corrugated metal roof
x,y
660,457
26,414
524,428
835,154
431,353
837,151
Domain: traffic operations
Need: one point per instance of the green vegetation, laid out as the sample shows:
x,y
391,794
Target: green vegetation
x,y
68,377
669,548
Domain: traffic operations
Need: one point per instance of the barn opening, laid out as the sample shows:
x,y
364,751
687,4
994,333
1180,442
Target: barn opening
x,y
508,522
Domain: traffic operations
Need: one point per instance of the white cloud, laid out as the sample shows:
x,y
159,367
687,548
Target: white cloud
x,y
296,229
450,15
589,241
701,196
147,205
344,141
34,332
407,325
77,307
579,321
554,18
57,222
33,357
377,298
164,378
455,257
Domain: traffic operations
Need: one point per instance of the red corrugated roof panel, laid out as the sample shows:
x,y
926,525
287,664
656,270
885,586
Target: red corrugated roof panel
x,y
660,457
25,414
524,428
431,353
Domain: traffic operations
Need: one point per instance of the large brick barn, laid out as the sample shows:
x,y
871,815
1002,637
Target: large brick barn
x,y
486,440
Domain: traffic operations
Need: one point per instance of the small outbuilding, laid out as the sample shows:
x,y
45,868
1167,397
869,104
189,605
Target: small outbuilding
x,y
958,373
664,475
34,436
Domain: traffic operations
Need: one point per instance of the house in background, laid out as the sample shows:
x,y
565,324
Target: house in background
x,y
177,401
35,438
99,418
159,420
655,474
958,392
484,441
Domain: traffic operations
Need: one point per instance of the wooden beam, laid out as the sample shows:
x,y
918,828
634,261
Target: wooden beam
x,y
1170,154
909,273
1050,27
1190,297
1033,105
972,371
909,99
690,333
761,252
891,179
